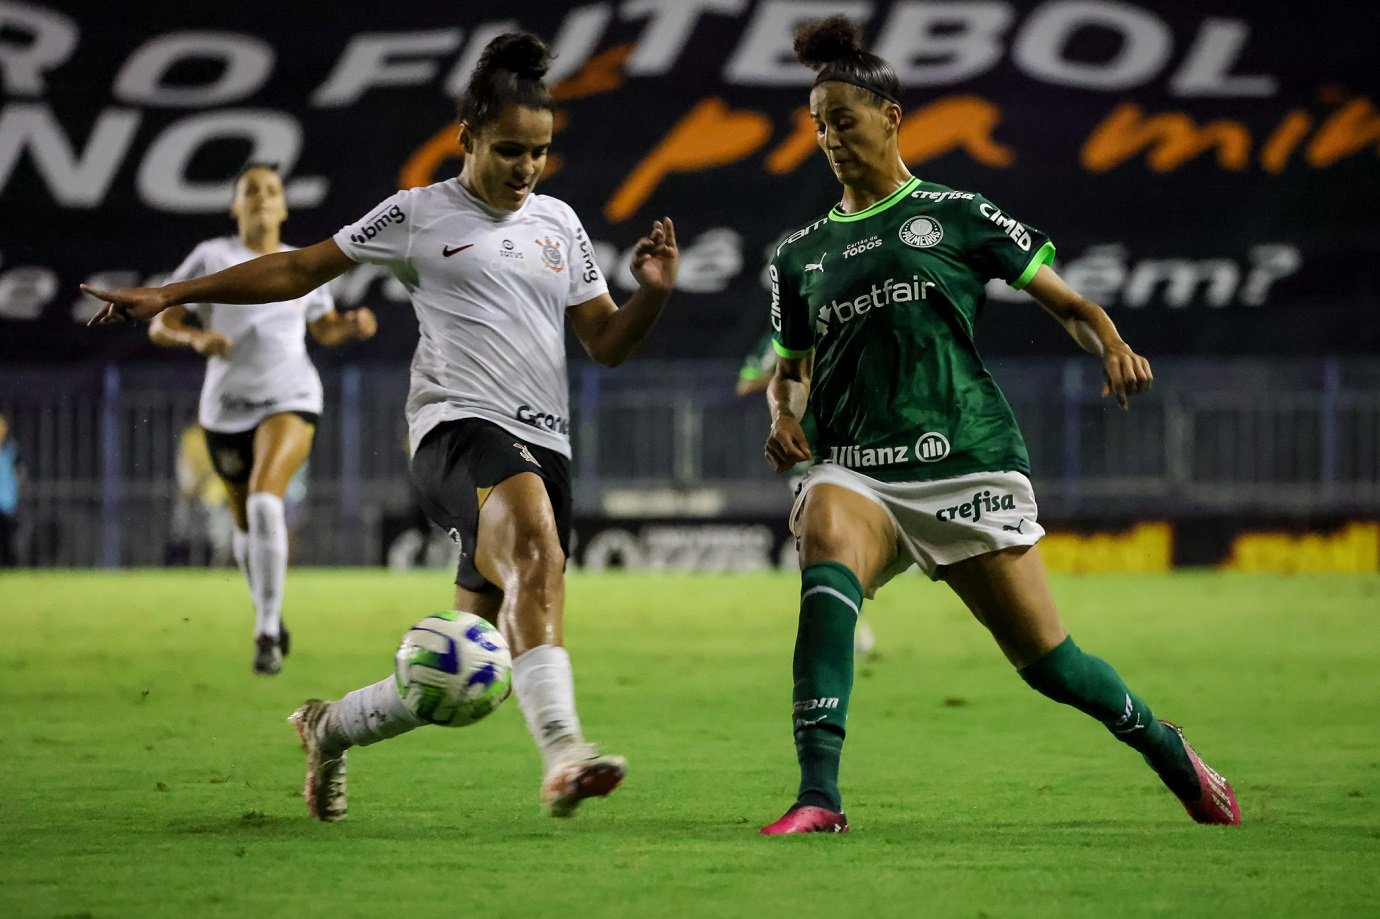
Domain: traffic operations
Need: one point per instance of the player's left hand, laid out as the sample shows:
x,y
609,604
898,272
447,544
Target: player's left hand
x,y
656,257
786,444
126,303
1124,373
363,323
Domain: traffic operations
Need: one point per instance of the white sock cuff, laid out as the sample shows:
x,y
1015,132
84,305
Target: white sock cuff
x,y
265,512
545,689
541,656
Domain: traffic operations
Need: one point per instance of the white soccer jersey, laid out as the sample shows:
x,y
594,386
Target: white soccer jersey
x,y
266,369
490,289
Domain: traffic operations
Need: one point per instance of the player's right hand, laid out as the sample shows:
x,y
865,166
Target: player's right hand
x,y
1124,374
363,323
211,344
787,444
127,303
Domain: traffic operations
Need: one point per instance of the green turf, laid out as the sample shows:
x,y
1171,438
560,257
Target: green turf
x,y
144,771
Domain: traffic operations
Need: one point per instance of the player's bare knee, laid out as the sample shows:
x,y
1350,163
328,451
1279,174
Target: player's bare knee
x,y
839,514
538,562
822,546
828,537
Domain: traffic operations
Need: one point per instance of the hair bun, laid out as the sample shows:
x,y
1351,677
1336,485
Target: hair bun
x,y
522,53
826,40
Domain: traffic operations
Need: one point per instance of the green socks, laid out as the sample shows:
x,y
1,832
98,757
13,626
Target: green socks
x,y
830,600
1069,675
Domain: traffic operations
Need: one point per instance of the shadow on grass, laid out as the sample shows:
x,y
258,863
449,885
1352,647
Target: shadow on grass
x,y
247,822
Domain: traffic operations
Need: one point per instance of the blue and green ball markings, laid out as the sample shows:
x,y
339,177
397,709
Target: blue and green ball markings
x,y
453,668
480,635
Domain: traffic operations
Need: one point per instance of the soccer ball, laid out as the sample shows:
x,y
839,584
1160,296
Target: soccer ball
x,y
453,668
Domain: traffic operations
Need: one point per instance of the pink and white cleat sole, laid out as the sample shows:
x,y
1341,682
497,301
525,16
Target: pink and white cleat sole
x,y
1216,802
808,820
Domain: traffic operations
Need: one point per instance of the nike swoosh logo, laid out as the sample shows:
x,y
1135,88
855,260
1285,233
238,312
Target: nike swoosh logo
x,y
447,251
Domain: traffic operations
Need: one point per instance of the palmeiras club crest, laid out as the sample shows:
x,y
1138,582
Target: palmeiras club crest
x,y
551,254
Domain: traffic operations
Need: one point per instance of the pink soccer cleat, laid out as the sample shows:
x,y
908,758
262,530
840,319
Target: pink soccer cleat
x,y
1216,802
808,820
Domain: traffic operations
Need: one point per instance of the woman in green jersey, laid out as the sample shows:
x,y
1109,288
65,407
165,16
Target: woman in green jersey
x,y
920,458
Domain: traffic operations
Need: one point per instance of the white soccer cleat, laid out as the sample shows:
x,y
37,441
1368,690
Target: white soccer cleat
x,y
583,773
325,788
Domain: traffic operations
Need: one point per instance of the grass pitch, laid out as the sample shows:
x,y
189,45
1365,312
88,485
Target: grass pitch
x,y
144,771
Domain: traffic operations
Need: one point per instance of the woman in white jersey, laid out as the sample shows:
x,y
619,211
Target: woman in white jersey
x,y
261,397
494,272
921,461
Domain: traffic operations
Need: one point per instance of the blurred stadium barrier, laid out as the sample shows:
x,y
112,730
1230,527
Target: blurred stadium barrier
x,y
1251,440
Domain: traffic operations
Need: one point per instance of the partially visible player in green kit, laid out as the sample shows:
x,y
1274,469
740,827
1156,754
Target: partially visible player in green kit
x,y
920,458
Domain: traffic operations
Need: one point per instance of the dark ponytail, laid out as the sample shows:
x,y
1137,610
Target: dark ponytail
x,y
833,48
509,72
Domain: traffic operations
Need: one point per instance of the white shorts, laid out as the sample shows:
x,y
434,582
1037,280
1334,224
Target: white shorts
x,y
943,521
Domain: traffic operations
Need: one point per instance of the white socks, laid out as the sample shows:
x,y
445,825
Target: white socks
x,y
372,714
239,545
267,553
545,691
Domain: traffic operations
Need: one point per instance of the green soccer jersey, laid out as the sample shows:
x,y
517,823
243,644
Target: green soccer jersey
x,y
888,299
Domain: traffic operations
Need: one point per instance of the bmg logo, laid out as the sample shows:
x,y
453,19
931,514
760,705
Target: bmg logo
x,y
368,231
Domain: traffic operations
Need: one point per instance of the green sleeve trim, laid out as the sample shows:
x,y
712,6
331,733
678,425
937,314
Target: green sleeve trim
x,y
749,373
787,352
839,216
1043,256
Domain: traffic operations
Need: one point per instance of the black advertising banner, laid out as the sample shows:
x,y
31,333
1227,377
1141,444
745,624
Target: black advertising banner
x,y
1209,170
1073,546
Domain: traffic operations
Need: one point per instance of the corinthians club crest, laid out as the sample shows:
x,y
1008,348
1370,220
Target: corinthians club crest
x,y
551,254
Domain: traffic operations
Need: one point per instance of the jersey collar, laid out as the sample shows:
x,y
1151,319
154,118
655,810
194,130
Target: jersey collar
x,y
495,213
840,217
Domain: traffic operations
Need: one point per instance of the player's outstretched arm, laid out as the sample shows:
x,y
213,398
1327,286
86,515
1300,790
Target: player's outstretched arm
x,y
609,333
787,395
1125,373
266,279
337,328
